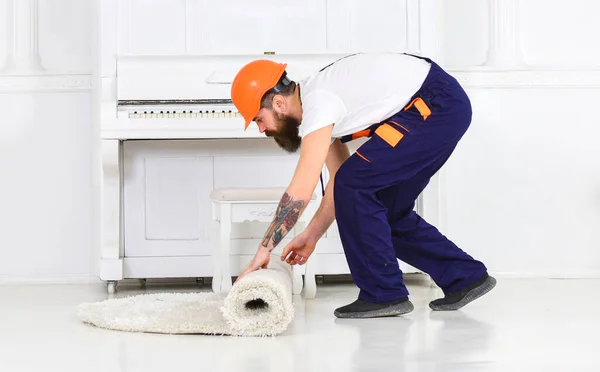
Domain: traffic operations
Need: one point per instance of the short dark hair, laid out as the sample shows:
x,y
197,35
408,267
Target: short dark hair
x,y
284,86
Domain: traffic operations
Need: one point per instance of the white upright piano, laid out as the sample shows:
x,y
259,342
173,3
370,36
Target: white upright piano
x,y
170,133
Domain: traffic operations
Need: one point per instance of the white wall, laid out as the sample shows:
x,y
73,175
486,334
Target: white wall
x,y
543,201
46,186
46,189
522,191
550,32
554,33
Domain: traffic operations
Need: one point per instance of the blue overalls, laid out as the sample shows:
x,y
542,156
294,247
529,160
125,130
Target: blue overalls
x,y
375,191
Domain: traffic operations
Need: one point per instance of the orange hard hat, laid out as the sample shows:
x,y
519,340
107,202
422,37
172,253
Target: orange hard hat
x,y
251,83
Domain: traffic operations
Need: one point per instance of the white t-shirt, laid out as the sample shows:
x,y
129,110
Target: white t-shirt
x,y
359,91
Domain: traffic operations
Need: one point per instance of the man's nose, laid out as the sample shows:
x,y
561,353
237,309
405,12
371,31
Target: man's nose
x,y
261,128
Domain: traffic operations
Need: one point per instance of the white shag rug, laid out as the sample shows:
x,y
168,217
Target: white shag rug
x,y
260,304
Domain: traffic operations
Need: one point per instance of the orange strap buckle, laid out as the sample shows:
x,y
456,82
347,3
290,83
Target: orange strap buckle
x,y
421,106
362,133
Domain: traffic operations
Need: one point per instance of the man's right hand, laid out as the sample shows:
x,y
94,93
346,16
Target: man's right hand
x,y
260,261
299,249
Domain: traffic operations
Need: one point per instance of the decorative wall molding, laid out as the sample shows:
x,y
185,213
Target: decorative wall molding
x,y
22,37
531,78
23,71
504,48
52,83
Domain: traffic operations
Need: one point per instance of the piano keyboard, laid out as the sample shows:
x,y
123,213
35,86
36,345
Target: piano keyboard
x,y
178,109
179,114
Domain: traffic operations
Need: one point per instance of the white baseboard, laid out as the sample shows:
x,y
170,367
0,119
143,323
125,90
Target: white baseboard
x,y
75,279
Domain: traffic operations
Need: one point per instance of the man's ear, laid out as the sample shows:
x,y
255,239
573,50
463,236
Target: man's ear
x,y
279,103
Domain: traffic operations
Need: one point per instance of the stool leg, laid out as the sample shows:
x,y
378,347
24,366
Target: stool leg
x,y
217,267
310,284
225,253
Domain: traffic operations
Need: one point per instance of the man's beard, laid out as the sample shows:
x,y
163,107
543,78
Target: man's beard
x,y
287,135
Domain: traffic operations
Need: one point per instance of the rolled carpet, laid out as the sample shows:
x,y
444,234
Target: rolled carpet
x,y
260,304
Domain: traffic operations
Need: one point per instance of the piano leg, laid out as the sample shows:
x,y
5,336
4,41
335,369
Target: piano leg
x,y
111,286
111,267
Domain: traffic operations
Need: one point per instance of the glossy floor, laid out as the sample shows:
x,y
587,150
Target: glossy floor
x,y
522,325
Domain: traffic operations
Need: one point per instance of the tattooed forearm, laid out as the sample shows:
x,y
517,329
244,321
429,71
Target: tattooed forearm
x,y
285,218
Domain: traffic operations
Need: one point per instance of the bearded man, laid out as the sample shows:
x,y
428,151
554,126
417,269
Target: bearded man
x,y
415,114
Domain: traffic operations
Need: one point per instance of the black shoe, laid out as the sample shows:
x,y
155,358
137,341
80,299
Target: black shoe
x,y
458,299
364,309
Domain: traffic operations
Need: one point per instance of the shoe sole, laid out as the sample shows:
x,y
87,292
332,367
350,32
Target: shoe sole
x,y
471,296
394,310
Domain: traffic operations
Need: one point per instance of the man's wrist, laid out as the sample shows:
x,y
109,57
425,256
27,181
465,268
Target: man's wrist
x,y
319,225
263,249
313,233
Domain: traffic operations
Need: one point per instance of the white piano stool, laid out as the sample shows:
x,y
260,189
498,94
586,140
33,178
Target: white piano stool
x,y
232,205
